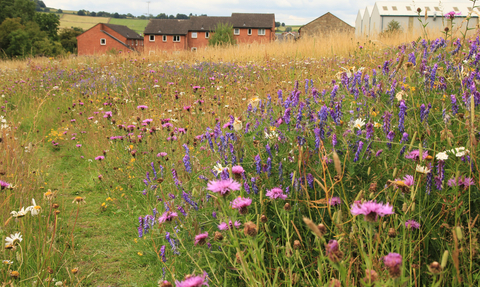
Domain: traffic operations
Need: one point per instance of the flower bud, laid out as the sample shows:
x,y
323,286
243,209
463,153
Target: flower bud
x,y
459,233
287,206
263,218
435,267
218,236
392,233
444,259
296,244
250,229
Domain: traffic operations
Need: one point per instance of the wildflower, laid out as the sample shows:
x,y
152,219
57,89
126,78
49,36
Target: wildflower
x,y
254,102
460,151
143,107
35,209
218,168
412,224
237,171
14,239
237,124
79,200
422,169
275,193
167,216
359,123
371,210
9,262
441,156
415,154
241,204
333,251
335,201
193,281
250,229
223,226
4,184
393,261
451,15
370,276
435,267
21,213
100,158
218,236
49,195
200,239
14,274
224,187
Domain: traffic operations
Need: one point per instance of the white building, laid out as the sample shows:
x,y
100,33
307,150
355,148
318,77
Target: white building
x,y
406,14
366,20
359,23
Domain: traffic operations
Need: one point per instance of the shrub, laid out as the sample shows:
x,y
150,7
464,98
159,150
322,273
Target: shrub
x,y
223,35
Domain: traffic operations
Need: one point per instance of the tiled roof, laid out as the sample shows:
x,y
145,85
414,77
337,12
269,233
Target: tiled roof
x,y
124,31
208,23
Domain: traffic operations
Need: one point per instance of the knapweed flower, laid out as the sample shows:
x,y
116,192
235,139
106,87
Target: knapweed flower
x,y
422,169
241,204
451,15
333,251
193,281
162,154
335,201
167,216
100,158
13,240
224,187
201,238
275,193
415,154
371,210
142,107
393,261
4,184
412,224
237,171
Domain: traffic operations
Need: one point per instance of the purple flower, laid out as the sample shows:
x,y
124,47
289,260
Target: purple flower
x,y
100,157
237,169
451,15
371,210
4,184
167,216
412,224
224,187
415,154
275,193
143,107
241,204
201,238
223,226
393,261
335,201
194,281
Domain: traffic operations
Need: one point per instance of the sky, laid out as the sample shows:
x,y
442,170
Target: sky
x,y
290,12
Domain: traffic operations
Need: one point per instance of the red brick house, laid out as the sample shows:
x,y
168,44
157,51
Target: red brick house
x,y
194,33
102,38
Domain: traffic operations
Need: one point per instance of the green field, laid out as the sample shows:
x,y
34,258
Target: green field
x,y
84,22
282,29
136,25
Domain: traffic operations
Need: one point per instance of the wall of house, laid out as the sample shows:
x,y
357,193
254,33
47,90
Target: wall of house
x,y
199,42
89,42
169,45
244,38
366,23
325,25
359,25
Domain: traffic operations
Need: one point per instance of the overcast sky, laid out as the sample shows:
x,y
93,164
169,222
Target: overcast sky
x,y
291,12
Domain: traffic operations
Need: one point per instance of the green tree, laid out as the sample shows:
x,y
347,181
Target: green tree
x,y
283,24
59,11
116,15
223,35
93,13
277,24
393,27
288,29
68,38
24,9
161,16
48,23
6,28
81,13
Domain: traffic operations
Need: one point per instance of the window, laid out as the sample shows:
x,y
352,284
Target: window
x,y
194,35
151,38
103,41
261,32
394,8
136,42
164,38
249,31
385,8
207,34
408,8
176,38
236,31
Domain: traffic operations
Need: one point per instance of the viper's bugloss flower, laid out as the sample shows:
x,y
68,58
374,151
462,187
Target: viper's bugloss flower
x,y
223,187
371,210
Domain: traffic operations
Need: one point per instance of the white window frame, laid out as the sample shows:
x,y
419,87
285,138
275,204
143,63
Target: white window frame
x,y
103,41
249,31
207,35
151,38
178,38
236,31
261,32
164,38
194,35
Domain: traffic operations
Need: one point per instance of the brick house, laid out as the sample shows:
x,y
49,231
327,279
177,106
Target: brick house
x,y
102,38
324,25
194,33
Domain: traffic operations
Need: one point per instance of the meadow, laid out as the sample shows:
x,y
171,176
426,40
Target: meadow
x,y
326,162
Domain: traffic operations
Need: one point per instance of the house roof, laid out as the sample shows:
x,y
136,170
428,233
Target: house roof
x,y
328,13
400,8
360,14
167,26
124,31
208,23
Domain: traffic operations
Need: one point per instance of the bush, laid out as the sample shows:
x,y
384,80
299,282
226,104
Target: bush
x,y
223,35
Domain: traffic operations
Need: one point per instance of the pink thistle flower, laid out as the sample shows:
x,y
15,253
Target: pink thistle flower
x,y
241,204
335,201
371,210
162,154
4,184
223,226
100,157
415,154
451,15
408,180
167,216
107,115
187,108
201,238
194,281
275,193
143,107
147,121
224,187
237,169
412,224
393,261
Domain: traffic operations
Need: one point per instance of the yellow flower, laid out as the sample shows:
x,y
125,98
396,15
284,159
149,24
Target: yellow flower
x,y
140,253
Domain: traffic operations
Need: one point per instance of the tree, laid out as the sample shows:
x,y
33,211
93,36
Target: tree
x,y
277,24
59,11
161,16
181,16
6,28
24,9
93,13
81,13
283,24
288,29
171,17
223,35
116,15
393,27
68,38
48,23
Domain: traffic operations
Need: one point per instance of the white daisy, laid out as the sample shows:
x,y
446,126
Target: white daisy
x,y
460,151
35,209
22,212
7,262
359,123
13,239
218,168
422,169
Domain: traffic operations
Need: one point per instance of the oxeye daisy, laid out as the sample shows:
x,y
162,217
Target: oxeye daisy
x,y
35,209
14,239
